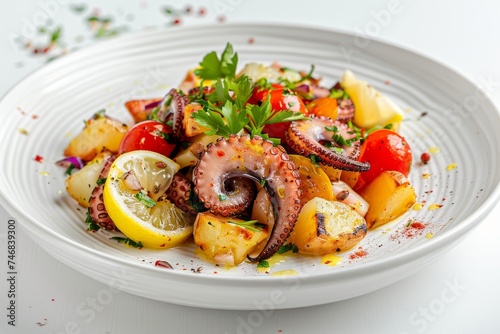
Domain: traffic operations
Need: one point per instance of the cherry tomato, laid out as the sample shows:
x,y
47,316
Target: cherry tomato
x,y
384,150
281,98
148,135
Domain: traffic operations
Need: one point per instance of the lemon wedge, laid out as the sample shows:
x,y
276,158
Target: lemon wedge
x,y
133,199
372,108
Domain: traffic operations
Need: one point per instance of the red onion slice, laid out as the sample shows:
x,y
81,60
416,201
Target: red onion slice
x,y
152,105
67,162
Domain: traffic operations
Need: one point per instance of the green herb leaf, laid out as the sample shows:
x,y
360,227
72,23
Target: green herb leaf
x,y
338,138
251,225
56,34
288,247
308,75
170,11
338,94
293,84
236,119
286,116
263,264
263,115
315,159
195,202
145,199
92,226
100,114
69,170
128,241
78,8
229,61
262,83
242,88
213,121
101,181
258,116
213,68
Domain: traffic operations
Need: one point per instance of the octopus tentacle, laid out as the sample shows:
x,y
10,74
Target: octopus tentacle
x,y
305,138
346,106
172,108
178,193
243,186
346,110
96,210
240,156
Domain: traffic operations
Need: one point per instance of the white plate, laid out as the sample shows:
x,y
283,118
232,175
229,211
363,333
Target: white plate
x,y
461,123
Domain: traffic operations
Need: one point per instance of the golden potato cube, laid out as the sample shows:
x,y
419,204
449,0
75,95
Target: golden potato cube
x,y
189,156
98,134
390,195
81,183
185,158
191,127
325,227
226,240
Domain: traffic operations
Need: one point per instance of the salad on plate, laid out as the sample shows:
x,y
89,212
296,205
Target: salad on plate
x,y
247,163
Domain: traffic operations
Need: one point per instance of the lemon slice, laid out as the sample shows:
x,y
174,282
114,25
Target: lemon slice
x,y
133,199
372,107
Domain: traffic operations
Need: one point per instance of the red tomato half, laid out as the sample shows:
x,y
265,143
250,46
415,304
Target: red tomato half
x,y
384,150
148,135
281,98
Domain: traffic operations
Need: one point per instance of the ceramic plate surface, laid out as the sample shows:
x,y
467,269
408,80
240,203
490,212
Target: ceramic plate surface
x,y
445,115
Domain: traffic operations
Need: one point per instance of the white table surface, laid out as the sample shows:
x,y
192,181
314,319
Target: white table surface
x,y
52,298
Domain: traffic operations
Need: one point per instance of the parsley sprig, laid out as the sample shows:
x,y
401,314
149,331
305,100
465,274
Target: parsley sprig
x,y
288,247
221,121
91,224
225,110
260,116
213,68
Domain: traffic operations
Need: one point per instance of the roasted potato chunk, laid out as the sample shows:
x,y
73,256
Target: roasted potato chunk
x,y
98,134
189,156
226,240
80,184
325,227
390,195
138,110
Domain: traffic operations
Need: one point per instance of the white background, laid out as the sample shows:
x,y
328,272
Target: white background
x,y
458,294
